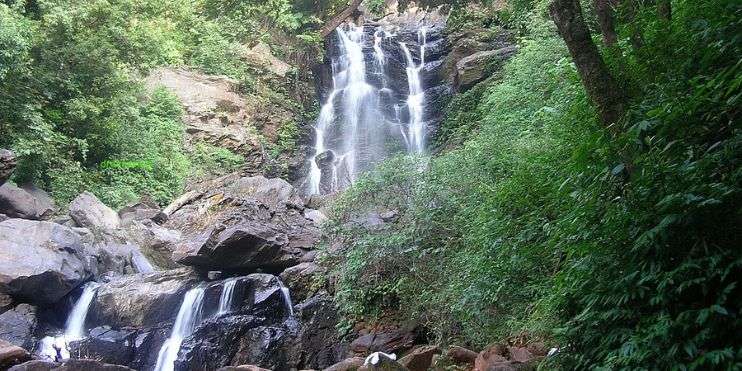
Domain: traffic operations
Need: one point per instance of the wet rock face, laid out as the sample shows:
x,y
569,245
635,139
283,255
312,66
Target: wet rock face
x,y
17,325
40,262
140,300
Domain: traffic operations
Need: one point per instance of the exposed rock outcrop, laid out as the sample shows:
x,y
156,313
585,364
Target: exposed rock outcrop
x,y
11,354
26,202
89,212
69,365
244,224
40,262
17,326
476,67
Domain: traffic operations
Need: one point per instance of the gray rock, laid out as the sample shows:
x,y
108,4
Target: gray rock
x,y
69,365
31,203
89,212
155,242
17,325
317,217
276,193
7,165
300,279
12,354
140,300
478,66
40,262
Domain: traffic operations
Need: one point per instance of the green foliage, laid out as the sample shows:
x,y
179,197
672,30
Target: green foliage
x,y
623,250
209,160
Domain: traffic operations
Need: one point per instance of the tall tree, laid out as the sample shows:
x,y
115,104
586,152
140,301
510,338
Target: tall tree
x,y
604,9
598,81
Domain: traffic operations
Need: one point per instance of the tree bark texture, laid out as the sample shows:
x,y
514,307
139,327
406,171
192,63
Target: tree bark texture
x,y
600,85
333,23
604,10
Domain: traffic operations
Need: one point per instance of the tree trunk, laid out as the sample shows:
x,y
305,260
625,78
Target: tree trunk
x,y
600,85
664,10
606,20
333,23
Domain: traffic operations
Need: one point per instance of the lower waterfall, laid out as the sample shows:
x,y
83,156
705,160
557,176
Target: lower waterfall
x,y
57,347
186,321
225,299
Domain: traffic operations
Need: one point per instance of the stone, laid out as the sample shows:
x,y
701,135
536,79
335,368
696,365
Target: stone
x,y
518,354
276,193
350,364
17,326
387,341
89,212
144,210
155,242
319,344
89,365
461,355
31,203
260,56
300,278
420,358
140,300
40,262
107,345
492,356
478,66
6,301
35,366
317,217
11,354
7,165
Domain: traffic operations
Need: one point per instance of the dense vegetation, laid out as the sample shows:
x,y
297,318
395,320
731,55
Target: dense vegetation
x,y
72,104
618,244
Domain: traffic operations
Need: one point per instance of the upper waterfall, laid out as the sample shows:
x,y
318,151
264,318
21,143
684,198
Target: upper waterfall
x,y
375,104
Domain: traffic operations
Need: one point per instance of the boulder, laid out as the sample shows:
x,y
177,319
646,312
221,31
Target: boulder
x,y
420,358
387,341
6,301
460,355
275,193
69,365
7,165
260,56
491,358
300,279
317,217
29,203
11,354
17,326
107,345
89,212
155,242
350,364
478,66
40,262
140,300
144,210
36,365
519,354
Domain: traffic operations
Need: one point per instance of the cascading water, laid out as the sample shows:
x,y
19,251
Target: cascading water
x,y
416,98
186,321
370,113
225,299
286,298
57,347
141,263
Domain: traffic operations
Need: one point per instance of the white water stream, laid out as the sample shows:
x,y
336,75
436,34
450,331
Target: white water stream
x,y
186,321
361,121
227,295
57,347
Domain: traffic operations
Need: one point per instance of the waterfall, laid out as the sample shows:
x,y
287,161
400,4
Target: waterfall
x,y
140,262
286,297
56,347
225,299
369,113
186,321
416,98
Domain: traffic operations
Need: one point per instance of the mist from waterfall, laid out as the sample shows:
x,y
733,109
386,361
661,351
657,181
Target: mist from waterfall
x,y
369,114
186,321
